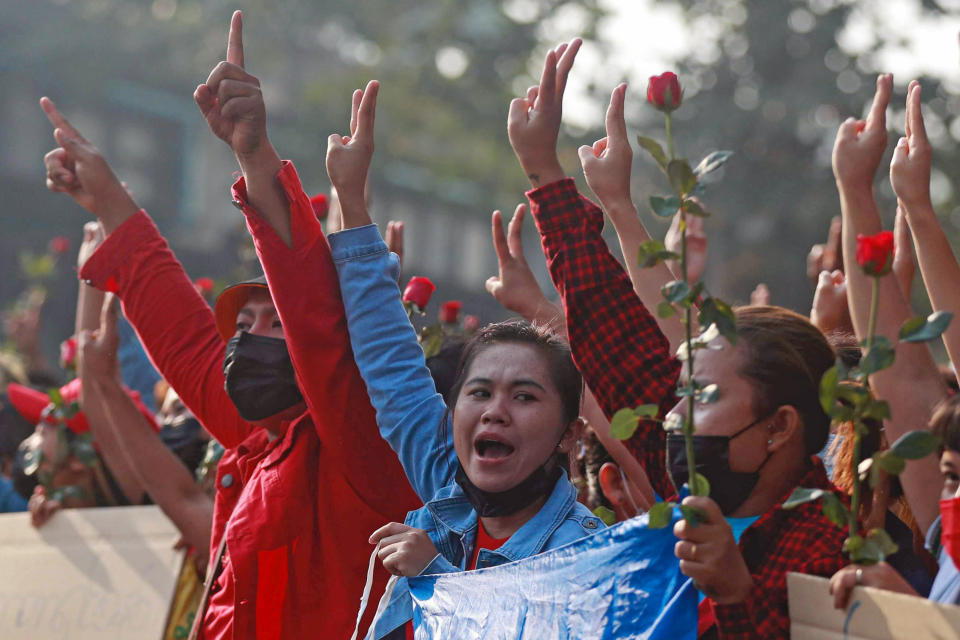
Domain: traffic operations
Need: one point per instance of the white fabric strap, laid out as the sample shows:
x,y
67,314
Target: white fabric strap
x,y
365,598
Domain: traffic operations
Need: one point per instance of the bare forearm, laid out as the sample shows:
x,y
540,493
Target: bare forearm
x,y
910,405
646,282
939,269
161,473
264,192
121,466
89,303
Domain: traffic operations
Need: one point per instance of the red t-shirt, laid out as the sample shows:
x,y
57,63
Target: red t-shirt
x,y
484,541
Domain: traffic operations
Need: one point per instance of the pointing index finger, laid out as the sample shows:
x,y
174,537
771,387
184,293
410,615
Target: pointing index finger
x,y
616,125
235,40
56,118
915,114
367,111
878,112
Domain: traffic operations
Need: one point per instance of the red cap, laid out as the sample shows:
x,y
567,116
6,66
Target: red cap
x,y
33,404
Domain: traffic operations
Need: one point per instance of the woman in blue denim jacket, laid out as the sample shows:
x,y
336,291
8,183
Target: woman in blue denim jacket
x,y
514,411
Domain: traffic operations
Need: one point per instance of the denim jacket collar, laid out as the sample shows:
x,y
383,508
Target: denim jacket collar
x,y
456,514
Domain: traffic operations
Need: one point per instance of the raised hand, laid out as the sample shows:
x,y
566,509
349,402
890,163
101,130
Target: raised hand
x,y
514,287
78,169
910,165
696,245
231,99
533,123
830,310
606,164
760,296
860,143
97,350
92,237
348,157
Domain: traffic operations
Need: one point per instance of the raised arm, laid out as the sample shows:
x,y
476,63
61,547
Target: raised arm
x,y
606,166
411,414
135,262
302,278
155,467
617,345
856,156
910,177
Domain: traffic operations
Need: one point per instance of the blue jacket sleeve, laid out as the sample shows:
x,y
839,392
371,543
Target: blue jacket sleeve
x,y
411,415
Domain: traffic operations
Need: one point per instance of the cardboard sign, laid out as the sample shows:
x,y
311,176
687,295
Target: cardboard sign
x,y
872,614
87,573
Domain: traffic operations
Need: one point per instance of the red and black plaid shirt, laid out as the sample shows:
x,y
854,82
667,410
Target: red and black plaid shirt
x,y
626,362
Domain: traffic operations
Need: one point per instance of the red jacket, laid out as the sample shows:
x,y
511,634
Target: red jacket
x,y
297,510
626,362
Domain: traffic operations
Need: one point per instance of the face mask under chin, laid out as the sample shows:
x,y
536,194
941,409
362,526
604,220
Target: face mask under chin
x,y
259,376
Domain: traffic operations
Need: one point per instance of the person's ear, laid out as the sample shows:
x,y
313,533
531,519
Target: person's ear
x,y
785,425
611,484
572,435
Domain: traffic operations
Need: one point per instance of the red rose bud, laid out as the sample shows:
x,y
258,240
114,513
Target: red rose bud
x,y
664,91
875,253
321,205
418,291
450,311
204,286
68,353
471,323
59,245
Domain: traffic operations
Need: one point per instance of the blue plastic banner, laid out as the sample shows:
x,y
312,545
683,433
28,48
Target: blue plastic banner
x,y
623,582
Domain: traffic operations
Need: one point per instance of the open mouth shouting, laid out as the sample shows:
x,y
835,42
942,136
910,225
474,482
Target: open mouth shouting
x,y
491,448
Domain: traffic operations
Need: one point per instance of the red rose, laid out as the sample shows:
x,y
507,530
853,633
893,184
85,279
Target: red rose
x,y
471,323
59,245
320,205
450,311
418,291
68,353
875,253
664,91
204,286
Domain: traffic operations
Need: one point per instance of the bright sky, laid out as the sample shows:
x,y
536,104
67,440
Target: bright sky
x,y
644,37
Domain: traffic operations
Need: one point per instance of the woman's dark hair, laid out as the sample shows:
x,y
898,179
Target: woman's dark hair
x,y
945,424
443,365
785,356
564,374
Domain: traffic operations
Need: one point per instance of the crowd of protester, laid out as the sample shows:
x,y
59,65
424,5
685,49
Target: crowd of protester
x,y
243,421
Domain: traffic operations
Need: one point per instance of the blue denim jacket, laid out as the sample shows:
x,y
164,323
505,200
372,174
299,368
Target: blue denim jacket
x,y
413,419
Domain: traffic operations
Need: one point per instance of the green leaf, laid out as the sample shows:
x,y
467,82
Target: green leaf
x,y
712,162
71,410
676,291
693,208
693,515
660,515
653,253
686,390
834,510
681,176
716,311
877,410
855,394
664,207
665,310
883,541
709,393
914,445
653,147
852,546
922,329
699,485
623,424
863,551
608,517
828,389
672,422
802,495
31,460
879,357
54,394
890,462
647,411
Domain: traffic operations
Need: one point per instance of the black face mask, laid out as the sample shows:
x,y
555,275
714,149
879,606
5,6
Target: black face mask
x,y
489,504
258,376
728,488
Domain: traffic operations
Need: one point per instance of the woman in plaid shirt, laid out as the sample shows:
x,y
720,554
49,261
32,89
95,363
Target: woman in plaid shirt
x,y
768,411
